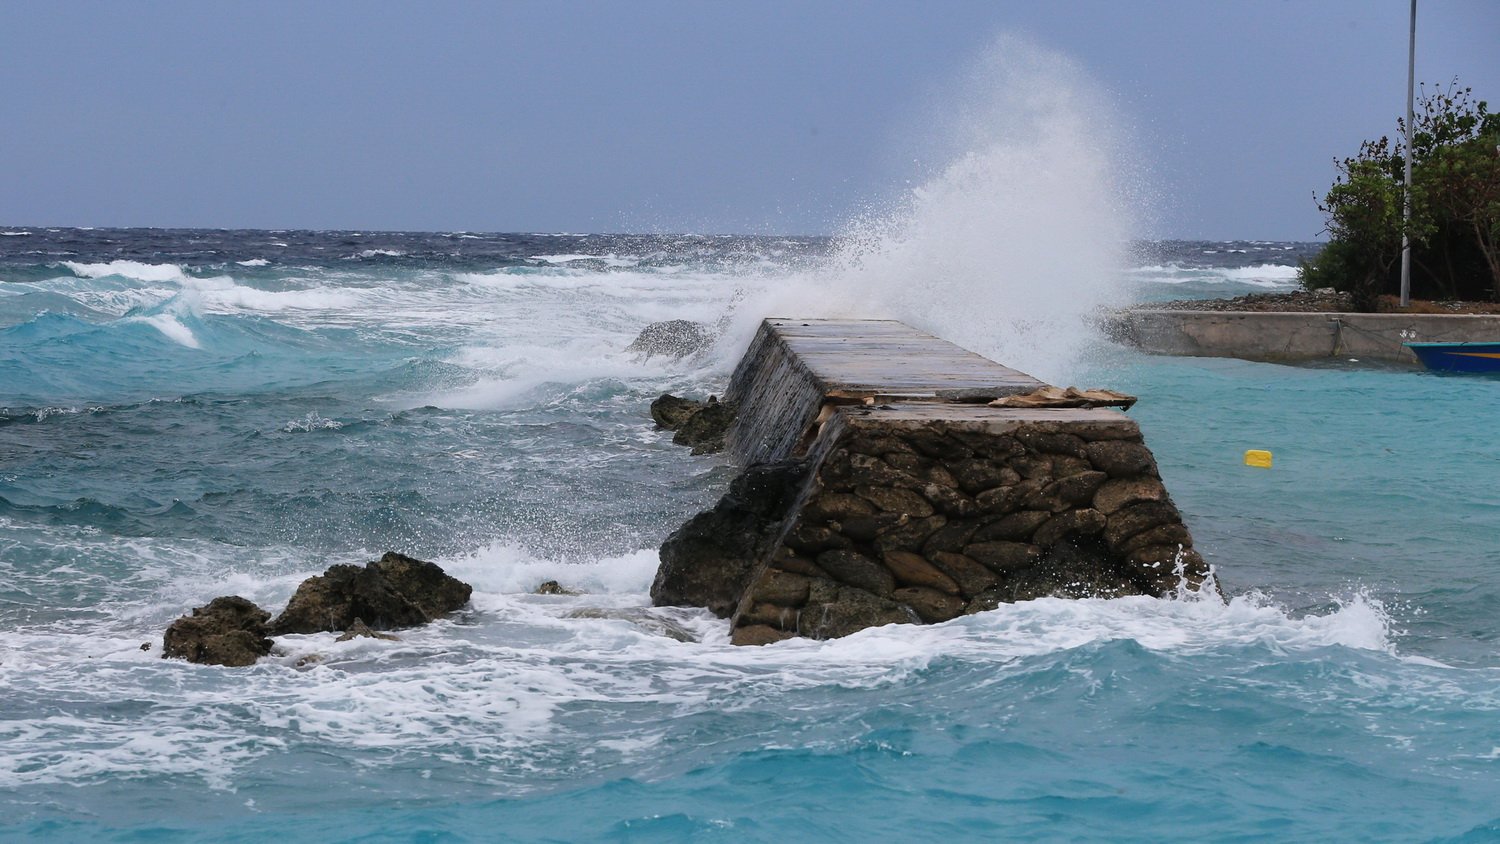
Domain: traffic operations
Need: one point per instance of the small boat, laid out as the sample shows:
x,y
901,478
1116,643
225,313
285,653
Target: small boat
x,y
1458,357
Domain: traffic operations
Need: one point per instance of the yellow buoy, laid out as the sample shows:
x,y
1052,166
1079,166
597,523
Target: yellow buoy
x,y
1258,458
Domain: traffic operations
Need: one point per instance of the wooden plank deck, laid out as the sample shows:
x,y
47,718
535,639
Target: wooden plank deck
x,y
892,359
795,366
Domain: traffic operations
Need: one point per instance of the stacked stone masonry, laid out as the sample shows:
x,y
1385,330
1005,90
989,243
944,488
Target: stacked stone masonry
x,y
913,516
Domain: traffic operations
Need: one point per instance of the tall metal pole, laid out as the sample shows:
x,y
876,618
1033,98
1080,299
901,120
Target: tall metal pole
x,y
1411,73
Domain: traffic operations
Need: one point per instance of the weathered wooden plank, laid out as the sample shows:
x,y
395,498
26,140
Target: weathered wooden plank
x,y
794,366
886,357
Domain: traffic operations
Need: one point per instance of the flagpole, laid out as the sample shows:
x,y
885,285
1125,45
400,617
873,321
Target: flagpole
x,y
1411,73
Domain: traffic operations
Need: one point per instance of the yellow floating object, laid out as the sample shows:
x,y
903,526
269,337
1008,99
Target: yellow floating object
x,y
1258,458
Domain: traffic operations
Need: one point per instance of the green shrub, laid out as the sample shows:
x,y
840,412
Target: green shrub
x,y
1455,222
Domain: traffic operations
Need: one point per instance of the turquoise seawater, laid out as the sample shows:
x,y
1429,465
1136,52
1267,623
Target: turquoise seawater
x,y
185,419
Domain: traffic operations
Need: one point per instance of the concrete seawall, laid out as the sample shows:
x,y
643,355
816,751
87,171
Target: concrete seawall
x,y
1289,337
883,489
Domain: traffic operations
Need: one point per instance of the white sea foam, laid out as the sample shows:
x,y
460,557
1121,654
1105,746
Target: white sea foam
x,y
494,688
128,269
311,422
1264,272
607,260
14,234
254,262
511,686
527,330
238,297
381,253
1270,276
502,568
509,375
106,295
170,327
42,413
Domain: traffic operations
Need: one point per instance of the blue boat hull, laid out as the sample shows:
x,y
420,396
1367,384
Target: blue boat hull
x,y
1458,357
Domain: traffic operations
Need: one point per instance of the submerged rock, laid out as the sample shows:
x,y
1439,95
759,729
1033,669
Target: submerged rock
x,y
359,628
758,634
228,630
642,618
704,431
392,592
669,411
674,338
699,425
552,587
707,562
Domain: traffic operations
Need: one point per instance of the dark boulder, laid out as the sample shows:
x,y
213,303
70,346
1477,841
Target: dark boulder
x,y
669,411
700,425
704,430
673,338
359,629
759,634
708,561
394,591
227,631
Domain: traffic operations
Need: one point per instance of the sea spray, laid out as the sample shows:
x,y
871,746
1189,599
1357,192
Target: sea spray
x,y
1013,244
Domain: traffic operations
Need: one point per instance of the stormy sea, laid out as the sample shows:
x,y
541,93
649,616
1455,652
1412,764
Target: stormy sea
x,y
193,413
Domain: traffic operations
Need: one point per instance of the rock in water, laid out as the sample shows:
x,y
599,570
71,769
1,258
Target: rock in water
x,y
675,338
707,561
394,591
642,618
669,411
359,628
699,425
704,430
552,587
228,631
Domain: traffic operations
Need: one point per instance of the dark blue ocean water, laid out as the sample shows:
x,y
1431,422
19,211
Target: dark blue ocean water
x,y
185,414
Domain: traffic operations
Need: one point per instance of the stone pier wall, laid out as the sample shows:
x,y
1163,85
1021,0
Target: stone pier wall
x,y
898,504
921,514
1294,337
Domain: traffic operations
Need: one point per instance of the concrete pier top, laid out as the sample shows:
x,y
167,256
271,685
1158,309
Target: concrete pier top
x,y
795,366
893,360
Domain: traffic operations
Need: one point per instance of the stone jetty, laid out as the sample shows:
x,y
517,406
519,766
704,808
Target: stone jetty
x,y
883,487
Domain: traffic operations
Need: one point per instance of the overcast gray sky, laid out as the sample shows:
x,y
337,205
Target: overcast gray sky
x,y
761,117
